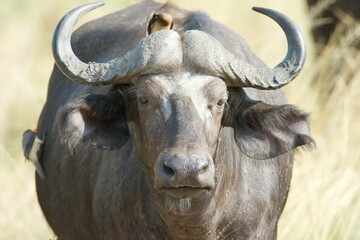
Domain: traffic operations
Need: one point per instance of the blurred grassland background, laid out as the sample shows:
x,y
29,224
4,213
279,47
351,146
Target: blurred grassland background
x,y
324,201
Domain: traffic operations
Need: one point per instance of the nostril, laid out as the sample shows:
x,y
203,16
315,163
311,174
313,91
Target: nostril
x,y
168,170
204,167
182,165
201,163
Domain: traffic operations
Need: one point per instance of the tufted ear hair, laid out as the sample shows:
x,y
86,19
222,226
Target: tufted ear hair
x,y
264,131
96,119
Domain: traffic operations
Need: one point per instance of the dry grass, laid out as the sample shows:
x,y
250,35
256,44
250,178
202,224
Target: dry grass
x,y
324,202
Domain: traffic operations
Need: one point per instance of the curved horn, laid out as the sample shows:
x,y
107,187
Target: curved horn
x,y
295,57
161,50
216,60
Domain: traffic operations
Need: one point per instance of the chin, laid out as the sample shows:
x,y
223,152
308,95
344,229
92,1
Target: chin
x,y
184,201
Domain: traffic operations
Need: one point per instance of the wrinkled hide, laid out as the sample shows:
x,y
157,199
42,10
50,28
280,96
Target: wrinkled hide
x,y
176,152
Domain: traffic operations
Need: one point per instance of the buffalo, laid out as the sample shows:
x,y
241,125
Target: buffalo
x,y
160,123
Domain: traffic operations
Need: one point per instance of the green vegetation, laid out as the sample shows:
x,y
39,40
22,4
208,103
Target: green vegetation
x,y
324,201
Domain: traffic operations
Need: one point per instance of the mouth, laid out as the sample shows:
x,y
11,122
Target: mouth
x,y
185,191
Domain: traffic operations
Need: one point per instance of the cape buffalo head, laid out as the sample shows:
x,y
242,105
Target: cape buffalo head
x,y
182,88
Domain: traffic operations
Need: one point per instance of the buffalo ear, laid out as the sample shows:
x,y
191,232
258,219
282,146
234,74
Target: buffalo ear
x,y
96,119
265,131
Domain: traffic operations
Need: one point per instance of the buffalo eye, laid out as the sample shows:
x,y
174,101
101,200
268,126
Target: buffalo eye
x,y
143,101
220,103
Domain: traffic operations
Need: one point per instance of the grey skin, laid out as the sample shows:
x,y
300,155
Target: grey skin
x,y
167,136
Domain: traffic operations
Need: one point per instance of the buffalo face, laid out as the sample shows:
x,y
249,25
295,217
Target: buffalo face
x,y
177,128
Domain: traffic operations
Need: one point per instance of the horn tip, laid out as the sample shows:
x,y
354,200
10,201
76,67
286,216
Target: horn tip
x,y
97,4
265,11
261,10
